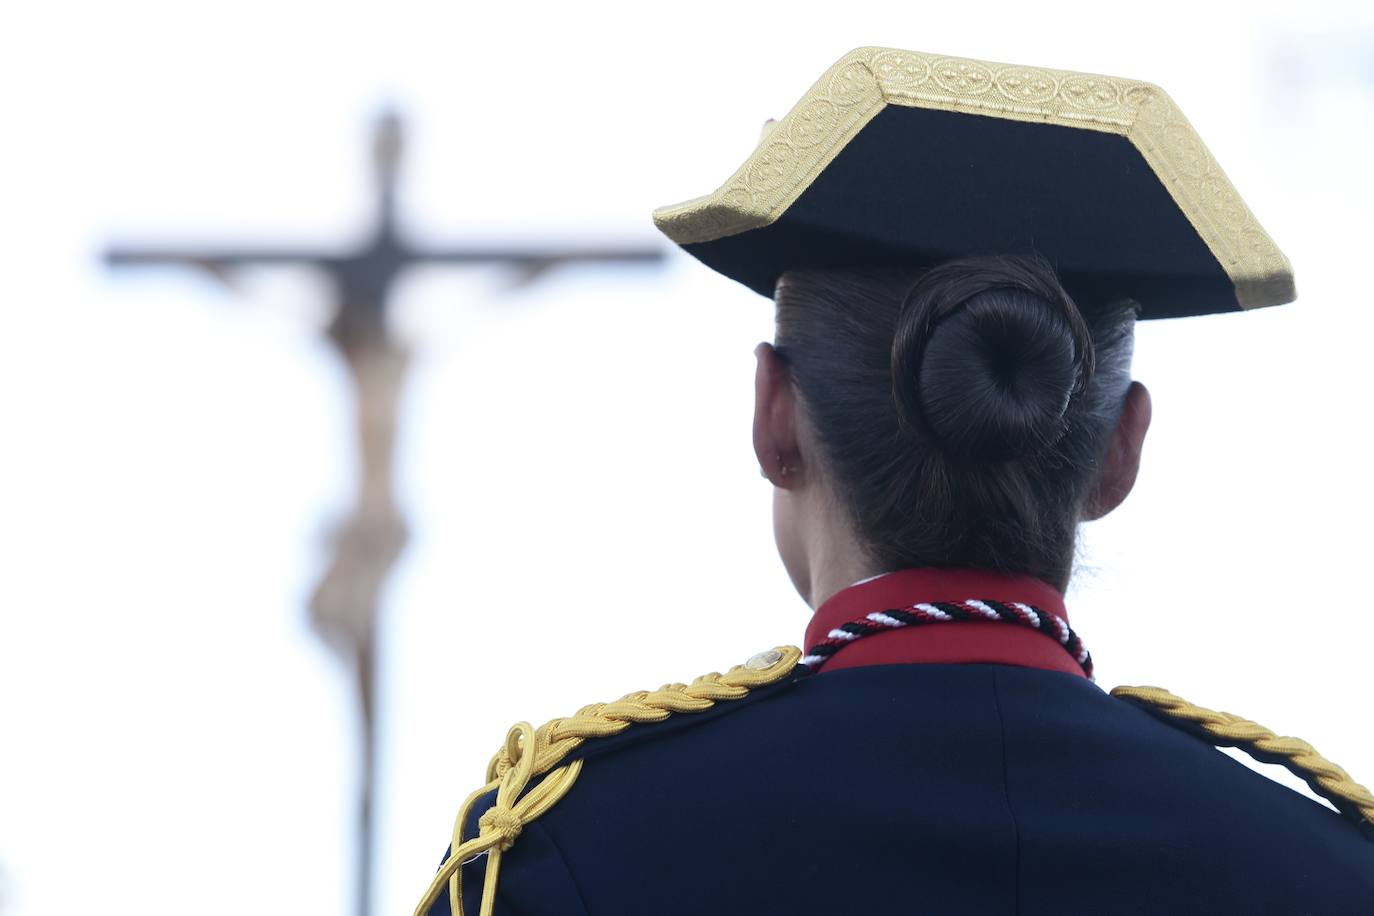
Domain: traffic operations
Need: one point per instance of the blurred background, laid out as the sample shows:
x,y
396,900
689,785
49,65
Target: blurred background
x,y
573,503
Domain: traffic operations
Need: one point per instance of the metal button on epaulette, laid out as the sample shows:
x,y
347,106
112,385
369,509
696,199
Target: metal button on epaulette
x,y
766,659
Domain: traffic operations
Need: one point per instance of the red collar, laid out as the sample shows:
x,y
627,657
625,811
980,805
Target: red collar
x,y
955,642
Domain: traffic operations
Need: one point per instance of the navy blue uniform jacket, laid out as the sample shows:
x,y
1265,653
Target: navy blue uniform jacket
x,y
949,769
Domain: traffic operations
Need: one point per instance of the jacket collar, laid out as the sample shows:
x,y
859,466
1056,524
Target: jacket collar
x,y
954,642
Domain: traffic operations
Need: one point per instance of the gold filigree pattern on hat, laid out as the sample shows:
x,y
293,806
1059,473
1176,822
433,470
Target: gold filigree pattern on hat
x,y
796,149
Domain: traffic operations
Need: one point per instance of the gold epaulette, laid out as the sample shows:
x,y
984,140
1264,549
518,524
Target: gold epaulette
x,y
1225,729
529,752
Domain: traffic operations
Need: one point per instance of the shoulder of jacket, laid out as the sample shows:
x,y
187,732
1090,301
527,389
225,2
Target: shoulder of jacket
x,y
534,768
1224,729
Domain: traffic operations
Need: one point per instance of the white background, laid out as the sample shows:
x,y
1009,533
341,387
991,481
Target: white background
x,y
574,455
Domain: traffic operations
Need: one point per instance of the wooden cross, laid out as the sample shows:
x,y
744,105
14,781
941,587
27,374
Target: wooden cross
x,y
344,605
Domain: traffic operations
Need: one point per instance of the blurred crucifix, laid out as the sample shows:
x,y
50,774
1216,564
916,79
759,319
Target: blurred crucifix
x,y
344,605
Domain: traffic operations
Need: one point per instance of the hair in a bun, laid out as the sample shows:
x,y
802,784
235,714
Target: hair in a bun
x,y
987,357
961,411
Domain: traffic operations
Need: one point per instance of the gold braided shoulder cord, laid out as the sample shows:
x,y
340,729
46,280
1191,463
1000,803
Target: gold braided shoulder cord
x,y
529,752
1228,730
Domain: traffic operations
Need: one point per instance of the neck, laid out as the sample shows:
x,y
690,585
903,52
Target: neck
x,y
827,583
821,552
836,561
834,558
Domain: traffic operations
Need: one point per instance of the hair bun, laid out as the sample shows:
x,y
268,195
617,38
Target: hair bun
x,y
987,356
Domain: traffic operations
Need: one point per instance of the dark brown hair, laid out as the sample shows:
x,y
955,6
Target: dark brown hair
x,y
963,410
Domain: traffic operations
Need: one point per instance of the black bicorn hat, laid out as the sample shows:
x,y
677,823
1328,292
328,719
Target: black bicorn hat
x,y
907,158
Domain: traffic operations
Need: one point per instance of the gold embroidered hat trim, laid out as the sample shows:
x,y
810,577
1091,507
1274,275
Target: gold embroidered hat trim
x,y
796,149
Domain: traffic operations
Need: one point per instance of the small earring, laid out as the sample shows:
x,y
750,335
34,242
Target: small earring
x,y
783,470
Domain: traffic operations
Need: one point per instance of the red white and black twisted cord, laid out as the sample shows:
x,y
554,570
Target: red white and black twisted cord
x,y
970,609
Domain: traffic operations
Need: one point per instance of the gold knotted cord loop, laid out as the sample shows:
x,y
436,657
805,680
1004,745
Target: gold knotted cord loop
x,y
1325,777
528,752
501,824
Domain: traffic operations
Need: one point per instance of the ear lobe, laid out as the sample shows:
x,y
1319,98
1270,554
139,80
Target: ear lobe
x,y
775,441
1121,463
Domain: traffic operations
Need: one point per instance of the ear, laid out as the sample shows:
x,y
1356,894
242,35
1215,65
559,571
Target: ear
x,y
775,428
1121,463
